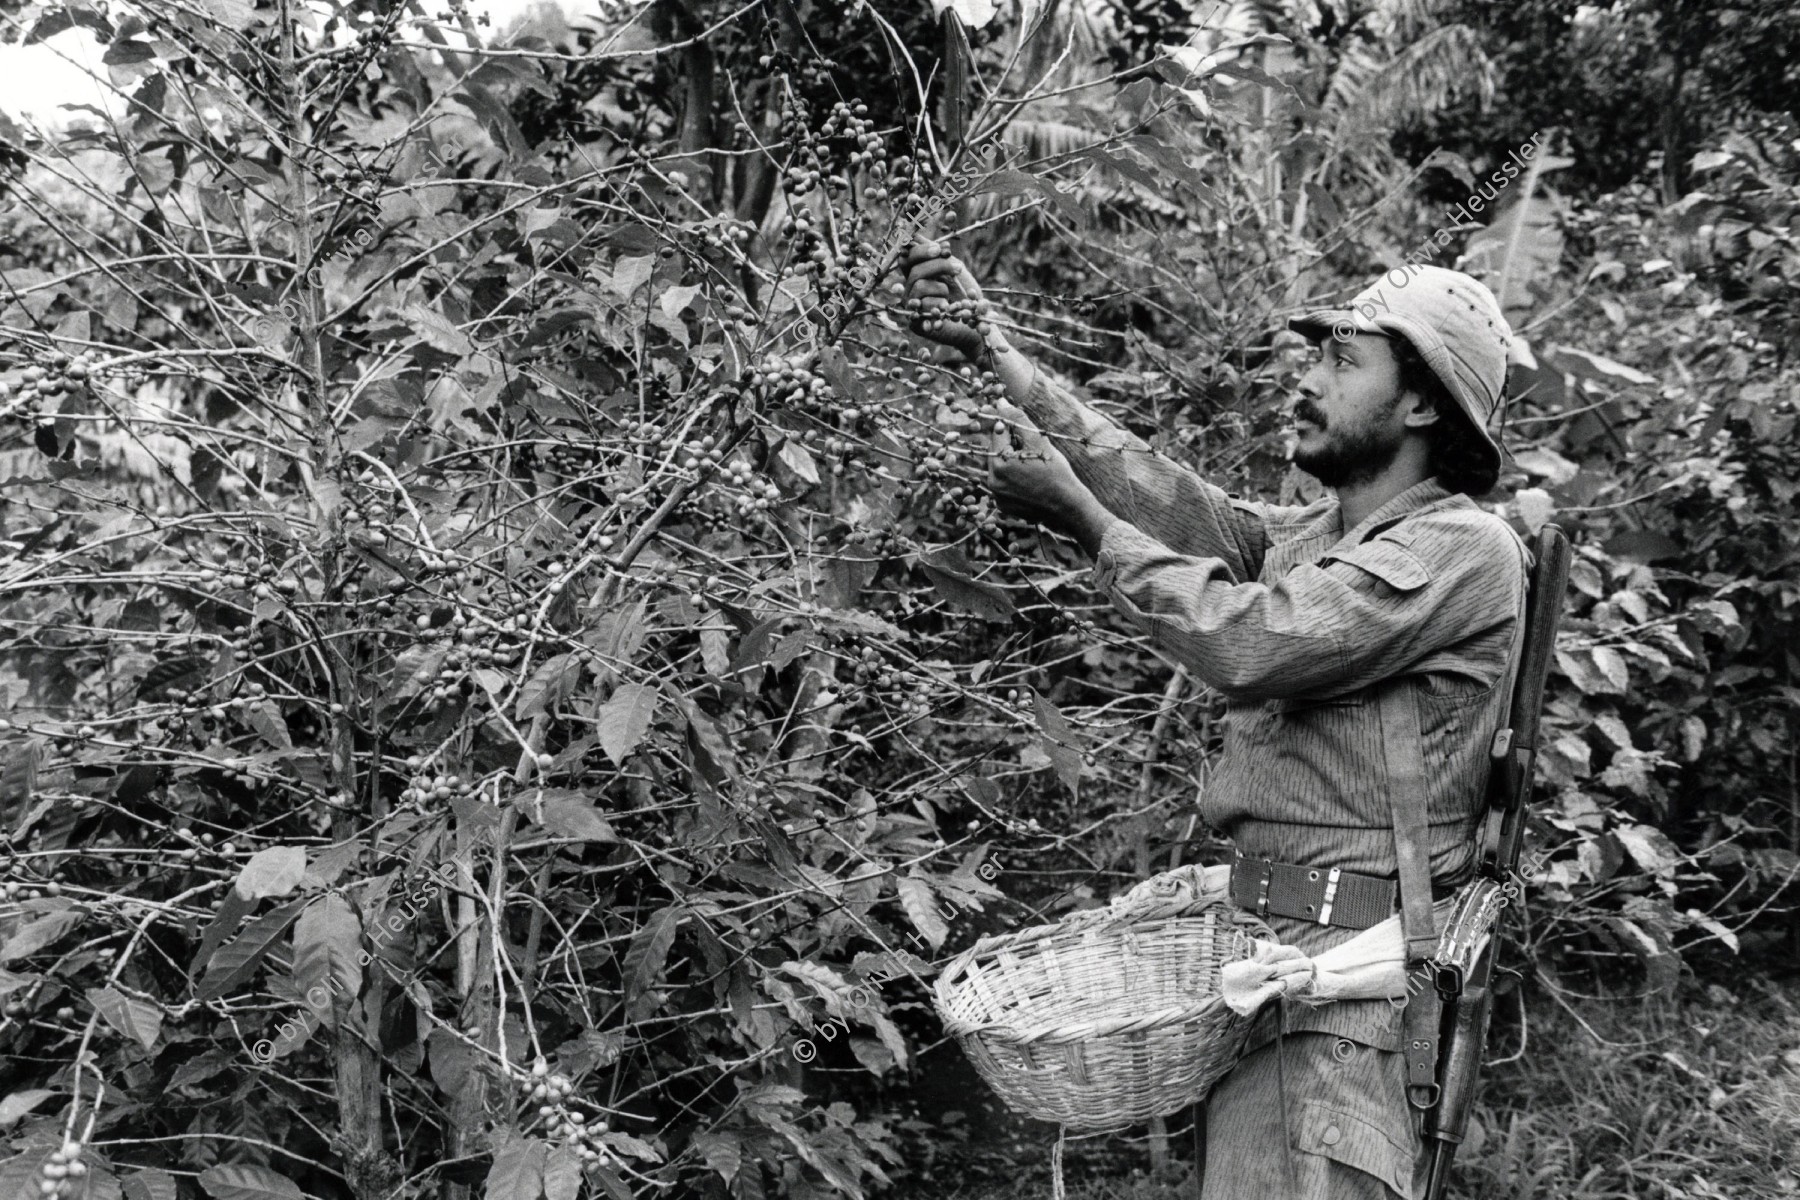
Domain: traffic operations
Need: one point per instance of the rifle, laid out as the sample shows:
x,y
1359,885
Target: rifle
x,y
1469,1001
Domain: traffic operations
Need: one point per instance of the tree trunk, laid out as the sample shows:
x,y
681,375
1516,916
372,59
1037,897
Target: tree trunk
x,y
474,987
697,140
1674,134
1159,1127
369,1169
1794,816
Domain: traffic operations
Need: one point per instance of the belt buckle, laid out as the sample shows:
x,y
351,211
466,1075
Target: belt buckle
x,y
1244,868
1265,872
1331,887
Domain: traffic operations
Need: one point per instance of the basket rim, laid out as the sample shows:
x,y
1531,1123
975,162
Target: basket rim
x,y
1083,1031
1108,921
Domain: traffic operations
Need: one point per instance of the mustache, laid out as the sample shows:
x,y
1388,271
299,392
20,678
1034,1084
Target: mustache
x,y
1304,411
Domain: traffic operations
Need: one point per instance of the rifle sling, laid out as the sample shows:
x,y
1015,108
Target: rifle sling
x,y
1403,749
1400,746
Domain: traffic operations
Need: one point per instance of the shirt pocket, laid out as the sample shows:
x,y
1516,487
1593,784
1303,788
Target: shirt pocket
x,y
1394,566
1375,1024
1358,1142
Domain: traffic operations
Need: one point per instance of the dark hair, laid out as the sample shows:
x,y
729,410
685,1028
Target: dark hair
x,y
1459,458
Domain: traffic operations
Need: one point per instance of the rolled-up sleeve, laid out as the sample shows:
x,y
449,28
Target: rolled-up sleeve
x,y
1358,615
1153,492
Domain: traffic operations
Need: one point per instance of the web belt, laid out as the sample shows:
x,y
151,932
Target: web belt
x,y
1327,895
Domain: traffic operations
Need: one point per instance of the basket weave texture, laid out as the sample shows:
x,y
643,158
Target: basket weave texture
x,y
1108,1018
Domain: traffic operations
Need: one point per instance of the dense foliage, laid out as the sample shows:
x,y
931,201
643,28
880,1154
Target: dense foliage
x,y
507,654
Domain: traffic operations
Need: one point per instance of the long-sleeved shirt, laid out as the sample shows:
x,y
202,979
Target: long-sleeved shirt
x,y
1301,623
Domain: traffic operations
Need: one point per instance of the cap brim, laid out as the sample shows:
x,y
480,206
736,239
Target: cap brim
x,y
1321,323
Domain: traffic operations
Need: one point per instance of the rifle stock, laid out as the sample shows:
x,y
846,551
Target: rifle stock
x,y
1509,779
1465,1021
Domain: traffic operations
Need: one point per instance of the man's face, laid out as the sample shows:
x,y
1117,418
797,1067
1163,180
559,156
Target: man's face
x,y
1348,415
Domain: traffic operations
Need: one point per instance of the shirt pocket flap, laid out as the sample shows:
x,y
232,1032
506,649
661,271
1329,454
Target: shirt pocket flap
x,y
1356,1142
1394,565
1355,699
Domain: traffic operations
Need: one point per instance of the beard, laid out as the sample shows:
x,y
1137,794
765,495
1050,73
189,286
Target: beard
x,y
1349,456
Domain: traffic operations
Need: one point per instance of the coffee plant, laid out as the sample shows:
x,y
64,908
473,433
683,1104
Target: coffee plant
x,y
505,633
505,627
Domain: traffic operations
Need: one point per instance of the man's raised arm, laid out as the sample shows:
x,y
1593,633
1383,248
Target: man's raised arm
x,y
1159,496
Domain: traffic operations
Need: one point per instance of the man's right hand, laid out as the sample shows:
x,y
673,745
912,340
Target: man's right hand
x,y
938,280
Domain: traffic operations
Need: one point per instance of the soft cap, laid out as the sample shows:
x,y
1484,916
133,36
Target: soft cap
x,y
1450,318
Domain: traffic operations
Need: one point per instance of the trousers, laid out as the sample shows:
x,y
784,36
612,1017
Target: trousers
x,y
1347,1133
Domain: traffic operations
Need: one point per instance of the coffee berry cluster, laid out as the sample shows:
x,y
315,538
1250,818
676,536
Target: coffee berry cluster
x,y
372,508
802,175
566,1124
61,1173
790,380
361,185
879,543
423,787
940,452
695,454
809,250
871,668
481,642
21,885
458,13
727,233
972,314
566,458
52,373
263,576
851,121
203,841
369,41
968,508
760,494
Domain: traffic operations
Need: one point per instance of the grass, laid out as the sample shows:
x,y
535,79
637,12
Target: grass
x,y
1694,1096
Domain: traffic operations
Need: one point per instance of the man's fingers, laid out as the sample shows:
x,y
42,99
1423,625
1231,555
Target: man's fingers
x,y
922,249
965,278
926,254
938,255
1004,487
936,273
1005,439
1005,433
1022,433
952,271
934,282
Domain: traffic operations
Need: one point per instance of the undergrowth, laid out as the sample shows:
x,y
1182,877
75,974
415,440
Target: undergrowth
x,y
1695,1096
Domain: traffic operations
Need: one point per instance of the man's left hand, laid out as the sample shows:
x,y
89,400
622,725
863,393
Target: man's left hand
x,y
1030,479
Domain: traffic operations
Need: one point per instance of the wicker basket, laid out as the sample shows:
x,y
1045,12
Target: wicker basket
x,y
1108,1018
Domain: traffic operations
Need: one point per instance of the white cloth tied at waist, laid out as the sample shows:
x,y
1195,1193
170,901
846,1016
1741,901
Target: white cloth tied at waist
x,y
1370,966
